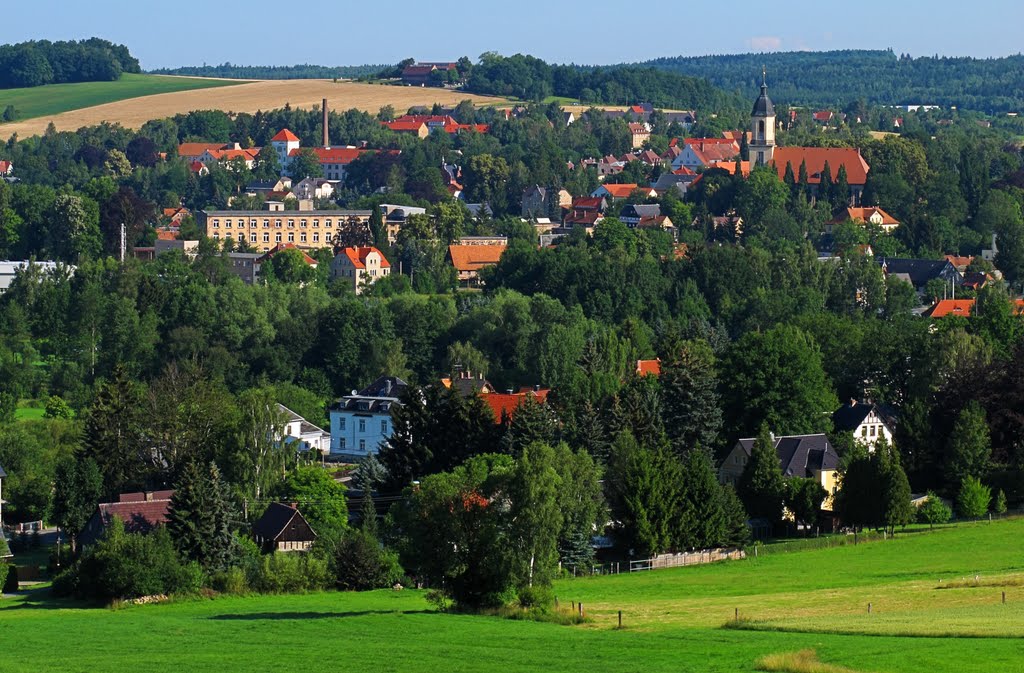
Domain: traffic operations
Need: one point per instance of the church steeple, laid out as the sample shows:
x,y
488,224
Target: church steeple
x,y
761,148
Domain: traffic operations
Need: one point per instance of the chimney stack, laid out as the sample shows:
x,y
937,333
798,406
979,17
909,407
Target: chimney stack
x,y
327,139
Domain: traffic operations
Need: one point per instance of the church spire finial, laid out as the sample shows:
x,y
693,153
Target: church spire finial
x,y
764,75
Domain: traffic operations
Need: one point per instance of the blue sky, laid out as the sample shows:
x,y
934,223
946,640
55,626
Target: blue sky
x,y
257,32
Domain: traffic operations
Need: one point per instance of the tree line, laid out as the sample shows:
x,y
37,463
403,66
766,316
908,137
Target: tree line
x,y
39,62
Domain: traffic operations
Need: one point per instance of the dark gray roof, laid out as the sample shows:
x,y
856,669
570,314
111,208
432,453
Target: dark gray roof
x,y
763,106
920,271
378,397
272,524
641,210
801,455
849,416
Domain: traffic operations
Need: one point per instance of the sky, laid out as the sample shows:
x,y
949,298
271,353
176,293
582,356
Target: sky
x,y
269,32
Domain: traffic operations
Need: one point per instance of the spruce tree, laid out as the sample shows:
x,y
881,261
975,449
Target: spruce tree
x,y
825,185
761,486
701,517
840,197
689,392
894,488
737,532
199,517
804,180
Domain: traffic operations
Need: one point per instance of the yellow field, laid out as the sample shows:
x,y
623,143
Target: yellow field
x,y
248,97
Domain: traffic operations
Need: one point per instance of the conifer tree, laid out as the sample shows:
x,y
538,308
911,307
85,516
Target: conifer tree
x,y
825,185
840,197
761,487
737,532
894,487
702,520
689,392
969,448
199,517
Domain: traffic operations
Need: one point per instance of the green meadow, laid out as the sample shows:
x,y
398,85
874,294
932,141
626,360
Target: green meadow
x,y
936,606
56,98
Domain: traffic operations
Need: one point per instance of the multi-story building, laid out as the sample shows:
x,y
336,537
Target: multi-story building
x,y
359,267
361,422
264,229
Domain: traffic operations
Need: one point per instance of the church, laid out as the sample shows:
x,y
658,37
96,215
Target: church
x,y
762,151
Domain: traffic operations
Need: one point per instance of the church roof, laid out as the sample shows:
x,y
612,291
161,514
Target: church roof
x,y
763,106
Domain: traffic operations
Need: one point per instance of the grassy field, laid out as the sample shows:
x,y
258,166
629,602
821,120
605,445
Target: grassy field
x,y
241,96
674,619
53,99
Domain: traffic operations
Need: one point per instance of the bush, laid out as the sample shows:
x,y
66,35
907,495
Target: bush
x,y
4,569
230,581
11,581
973,499
934,511
290,573
359,563
129,565
536,597
1000,504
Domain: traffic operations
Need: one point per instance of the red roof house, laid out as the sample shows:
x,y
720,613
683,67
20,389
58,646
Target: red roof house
x,y
140,513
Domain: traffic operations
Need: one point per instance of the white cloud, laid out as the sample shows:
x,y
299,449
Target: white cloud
x,y
765,43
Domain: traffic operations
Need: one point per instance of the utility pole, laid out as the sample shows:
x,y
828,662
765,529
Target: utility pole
x,y
122,242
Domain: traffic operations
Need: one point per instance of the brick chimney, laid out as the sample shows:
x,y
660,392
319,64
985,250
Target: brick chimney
x,y
327,138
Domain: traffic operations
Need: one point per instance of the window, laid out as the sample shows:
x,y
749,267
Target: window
x,y
341,443
362,445
760,130
302,237
252,237
302,223
864,431
266,224
241,237
291,236
316,237
252,222
316,224
277,223
216,224
266,237
341,423
873,428
291,223
362,425
383,427
277,237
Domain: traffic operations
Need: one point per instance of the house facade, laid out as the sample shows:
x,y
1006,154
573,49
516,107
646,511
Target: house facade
x,y
140,513
304,435
469,259
868,422
264,229
361,422
282,528
359,267
808,456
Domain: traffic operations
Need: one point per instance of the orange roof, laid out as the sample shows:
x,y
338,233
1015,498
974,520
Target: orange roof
x,y
474,257
730,167
709,141
228,155
403,125
621,191
358,257
645,367
959,262
856,168
333,155
955,307
865,214
281,247
285,136
505,404
196,149
166,235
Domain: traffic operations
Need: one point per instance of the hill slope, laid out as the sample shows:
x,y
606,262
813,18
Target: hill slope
x,y
881,77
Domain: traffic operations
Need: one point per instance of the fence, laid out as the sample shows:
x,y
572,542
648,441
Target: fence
x,y
686,559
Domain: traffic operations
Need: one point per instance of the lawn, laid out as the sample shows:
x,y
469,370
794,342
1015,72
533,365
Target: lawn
x,y
673,620
56,98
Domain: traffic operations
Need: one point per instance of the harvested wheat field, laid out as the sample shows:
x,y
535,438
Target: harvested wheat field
x,y
247,97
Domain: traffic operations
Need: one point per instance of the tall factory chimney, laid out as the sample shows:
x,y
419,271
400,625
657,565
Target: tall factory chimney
x,y
327,139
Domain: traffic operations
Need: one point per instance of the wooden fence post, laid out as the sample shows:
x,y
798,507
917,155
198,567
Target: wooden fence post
x,y
1004,598
869,608
737,617
620,619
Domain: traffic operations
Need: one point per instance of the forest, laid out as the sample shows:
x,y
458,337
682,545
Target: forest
x,y
304,71
39,62
148,372
839,78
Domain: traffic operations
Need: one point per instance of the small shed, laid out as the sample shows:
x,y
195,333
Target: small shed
x,y
283,528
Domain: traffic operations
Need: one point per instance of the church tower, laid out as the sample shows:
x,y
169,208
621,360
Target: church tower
x,y
761,147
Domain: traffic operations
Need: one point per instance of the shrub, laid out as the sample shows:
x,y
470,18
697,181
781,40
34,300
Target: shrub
x,y
934,511
973,499
129,565
4,569
1000,504
290,573
230,581
11,581
536,597
359,563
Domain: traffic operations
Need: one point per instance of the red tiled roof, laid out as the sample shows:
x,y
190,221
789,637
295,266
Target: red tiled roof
x,y
5,166
334,155
196,166
960,262
621,191
710,141
281,247
865,214
166,235
403,126
947,307
823,116
587,202
138,514
196,149
358,257
474,257
505,404
856,168
285,136
645,367
730,167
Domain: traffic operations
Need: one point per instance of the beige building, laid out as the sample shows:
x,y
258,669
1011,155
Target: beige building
x,y
809,456
264,229
359,267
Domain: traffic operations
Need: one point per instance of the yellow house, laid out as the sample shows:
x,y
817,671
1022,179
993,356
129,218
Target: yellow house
x,y
262,230
808,456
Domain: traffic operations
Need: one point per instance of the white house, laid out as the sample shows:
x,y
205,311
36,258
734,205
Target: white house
x,y
313,188
284,143
359,267
361,422
306,436
9,270
869,422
